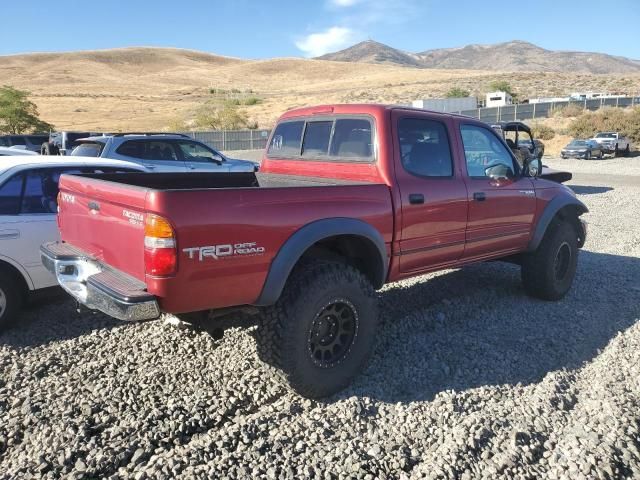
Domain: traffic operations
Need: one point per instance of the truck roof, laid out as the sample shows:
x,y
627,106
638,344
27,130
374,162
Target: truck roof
x,y
358,108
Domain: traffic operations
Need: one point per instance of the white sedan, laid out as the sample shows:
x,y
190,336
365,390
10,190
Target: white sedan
x,y
13,151
28,208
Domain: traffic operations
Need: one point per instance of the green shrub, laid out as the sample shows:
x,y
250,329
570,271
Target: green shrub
x,y
542,132
457,92
571,110
626,121
252,100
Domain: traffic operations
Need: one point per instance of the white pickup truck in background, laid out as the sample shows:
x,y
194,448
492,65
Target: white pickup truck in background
x,y
613,142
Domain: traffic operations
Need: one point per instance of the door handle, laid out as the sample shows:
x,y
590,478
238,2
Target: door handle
x,y
9,234
416,198
479,196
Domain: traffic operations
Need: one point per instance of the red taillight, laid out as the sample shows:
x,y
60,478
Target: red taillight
x,y
160,256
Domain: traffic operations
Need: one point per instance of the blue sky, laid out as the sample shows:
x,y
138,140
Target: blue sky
x,y
276,28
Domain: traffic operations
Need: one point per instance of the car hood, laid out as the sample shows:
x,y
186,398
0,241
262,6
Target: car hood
x,y
238,165
557,176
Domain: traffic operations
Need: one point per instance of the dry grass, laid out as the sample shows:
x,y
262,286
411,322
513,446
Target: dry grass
x,y
148,88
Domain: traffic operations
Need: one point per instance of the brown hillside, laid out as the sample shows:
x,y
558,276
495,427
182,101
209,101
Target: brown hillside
x,y
149,88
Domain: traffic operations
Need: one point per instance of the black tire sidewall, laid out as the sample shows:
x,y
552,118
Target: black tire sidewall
x,y
303,374
561,234
13,298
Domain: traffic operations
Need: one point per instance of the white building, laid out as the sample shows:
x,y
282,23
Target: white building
x,y
498,99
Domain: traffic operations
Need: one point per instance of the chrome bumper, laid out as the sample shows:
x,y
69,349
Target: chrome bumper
x,y
93,285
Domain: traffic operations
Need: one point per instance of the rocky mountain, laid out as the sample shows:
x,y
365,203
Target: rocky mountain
x,y
514,56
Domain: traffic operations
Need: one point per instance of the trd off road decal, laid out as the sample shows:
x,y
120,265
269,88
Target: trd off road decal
x,y
217,252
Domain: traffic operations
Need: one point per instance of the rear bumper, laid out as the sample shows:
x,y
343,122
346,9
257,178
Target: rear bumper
x,y
96,286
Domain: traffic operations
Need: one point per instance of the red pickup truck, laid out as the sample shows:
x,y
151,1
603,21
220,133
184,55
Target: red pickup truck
x,y
348,198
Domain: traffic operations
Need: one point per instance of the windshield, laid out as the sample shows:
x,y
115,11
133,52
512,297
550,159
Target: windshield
x,y
197,152
606,135
88,149
578,143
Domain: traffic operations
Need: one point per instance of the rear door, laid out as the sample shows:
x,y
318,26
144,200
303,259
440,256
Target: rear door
x,y
502,203
433,193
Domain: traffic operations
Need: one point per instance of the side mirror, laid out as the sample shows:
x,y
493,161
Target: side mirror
x,y
498,171
533,167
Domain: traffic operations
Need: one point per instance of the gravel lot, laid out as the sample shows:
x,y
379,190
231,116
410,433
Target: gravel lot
x,y
470,379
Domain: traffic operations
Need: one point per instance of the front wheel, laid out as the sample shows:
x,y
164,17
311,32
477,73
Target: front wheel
x,y
588,155
548,272
11,299
600,155
321,331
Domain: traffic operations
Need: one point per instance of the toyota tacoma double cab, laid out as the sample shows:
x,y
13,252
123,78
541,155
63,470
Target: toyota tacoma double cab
x,y
348,198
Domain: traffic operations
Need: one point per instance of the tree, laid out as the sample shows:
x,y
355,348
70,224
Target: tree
x,y
457,92
18,114
217,117
502,86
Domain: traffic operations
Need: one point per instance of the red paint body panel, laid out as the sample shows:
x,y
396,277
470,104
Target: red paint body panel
x,y
449,229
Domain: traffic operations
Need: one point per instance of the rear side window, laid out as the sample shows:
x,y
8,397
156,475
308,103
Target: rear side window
x,y
352,138
41,191
10,194
337,139
286,139
424,146
88,150
17,140
316,138
132,149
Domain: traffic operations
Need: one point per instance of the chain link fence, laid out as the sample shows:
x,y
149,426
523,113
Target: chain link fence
x,y
257,139
530,111
232,139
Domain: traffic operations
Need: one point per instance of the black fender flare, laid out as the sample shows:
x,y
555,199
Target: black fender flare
x,y
298,243
553,207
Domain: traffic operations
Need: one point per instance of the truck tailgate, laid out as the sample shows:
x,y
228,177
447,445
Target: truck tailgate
x,y
105,220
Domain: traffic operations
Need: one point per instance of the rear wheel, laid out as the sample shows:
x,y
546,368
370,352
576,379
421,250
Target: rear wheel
x,y
627,151
11,299
588,155
321,331
615,151
548,272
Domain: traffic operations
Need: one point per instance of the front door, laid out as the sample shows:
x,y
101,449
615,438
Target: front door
x,y
502,203
433,193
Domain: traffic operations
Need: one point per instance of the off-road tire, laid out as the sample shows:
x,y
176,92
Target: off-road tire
x,y
548,273
627,151
11,299
49,149
615,152
285,329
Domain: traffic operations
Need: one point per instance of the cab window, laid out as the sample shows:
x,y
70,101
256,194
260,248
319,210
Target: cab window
x,y
486,156
424,147
316,138
286,139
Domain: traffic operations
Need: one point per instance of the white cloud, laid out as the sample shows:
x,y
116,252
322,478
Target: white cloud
x,y
330,40
343,3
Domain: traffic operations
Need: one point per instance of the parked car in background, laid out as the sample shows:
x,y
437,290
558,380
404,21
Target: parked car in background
x,y
613,142
27,142
28,208
12,151
62,143
349,197
586,149
161,152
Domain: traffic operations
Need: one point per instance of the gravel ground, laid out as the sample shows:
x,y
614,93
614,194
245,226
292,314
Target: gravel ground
x,y
470,379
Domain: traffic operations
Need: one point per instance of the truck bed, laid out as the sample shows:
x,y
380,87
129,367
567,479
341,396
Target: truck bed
x,y
103,216
202,181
